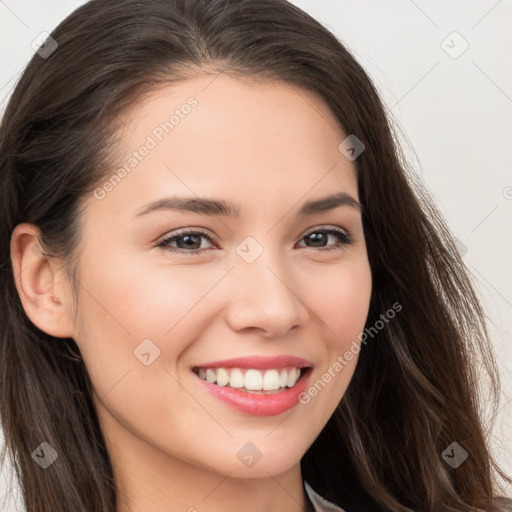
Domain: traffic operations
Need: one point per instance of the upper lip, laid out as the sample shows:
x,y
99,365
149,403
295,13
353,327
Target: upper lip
x,y
259,362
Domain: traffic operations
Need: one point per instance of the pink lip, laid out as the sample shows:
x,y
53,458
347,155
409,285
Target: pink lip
x,y
256,404
259,404
259,362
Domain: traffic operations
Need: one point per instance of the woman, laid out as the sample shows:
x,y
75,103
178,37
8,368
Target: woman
x,y
221,289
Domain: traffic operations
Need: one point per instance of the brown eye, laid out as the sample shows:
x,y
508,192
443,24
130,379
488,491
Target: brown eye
x,y
187,241
320,237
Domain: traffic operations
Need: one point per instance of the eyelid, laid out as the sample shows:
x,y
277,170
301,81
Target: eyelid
x,y
326,228
184,231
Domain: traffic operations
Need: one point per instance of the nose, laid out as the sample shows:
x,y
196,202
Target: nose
x,y
263,297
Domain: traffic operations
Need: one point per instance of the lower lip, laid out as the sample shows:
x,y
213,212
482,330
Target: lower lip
x,y
259,404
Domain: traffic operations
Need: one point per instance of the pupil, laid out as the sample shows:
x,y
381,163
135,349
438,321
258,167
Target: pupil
x,y
185,238
317,237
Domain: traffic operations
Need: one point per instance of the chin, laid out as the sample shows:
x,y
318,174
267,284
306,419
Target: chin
x,y
259,459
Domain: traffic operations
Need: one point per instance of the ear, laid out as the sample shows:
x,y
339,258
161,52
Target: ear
x,y
41,283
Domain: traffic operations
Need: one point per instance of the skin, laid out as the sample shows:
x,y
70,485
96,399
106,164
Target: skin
x,y
267,147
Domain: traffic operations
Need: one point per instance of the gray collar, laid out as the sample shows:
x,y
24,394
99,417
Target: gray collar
x,y
318,503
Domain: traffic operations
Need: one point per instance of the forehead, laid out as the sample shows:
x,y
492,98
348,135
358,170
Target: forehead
x,y
270,143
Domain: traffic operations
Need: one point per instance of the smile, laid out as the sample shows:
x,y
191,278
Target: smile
x,y
251,380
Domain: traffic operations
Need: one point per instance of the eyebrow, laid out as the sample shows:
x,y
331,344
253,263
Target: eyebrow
x,y
214,207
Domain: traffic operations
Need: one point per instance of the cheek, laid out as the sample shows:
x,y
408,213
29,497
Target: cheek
x,y
123,305
341,299
120,311
144,300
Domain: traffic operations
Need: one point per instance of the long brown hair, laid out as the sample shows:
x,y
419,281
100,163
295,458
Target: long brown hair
x,y
417,387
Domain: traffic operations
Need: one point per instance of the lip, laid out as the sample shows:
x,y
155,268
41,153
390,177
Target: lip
x,y
259,362
258,404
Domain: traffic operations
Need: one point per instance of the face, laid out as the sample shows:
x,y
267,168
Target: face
x,y
169,295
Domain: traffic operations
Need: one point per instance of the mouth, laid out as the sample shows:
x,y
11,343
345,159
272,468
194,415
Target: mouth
x,y
268,381
256,385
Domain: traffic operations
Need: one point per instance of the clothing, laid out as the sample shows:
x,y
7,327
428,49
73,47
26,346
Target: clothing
x,y
317,503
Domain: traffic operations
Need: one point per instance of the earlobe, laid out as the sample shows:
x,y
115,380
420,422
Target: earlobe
x,y
38,277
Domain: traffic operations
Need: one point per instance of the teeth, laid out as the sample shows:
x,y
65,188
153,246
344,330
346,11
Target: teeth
x,y
236,379
271,380
222,377
251,379
293,376
283,378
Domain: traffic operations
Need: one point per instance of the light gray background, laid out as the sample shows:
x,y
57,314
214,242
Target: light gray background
x,y
455,110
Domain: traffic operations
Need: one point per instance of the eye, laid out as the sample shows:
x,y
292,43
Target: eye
x,y
188,241
320,236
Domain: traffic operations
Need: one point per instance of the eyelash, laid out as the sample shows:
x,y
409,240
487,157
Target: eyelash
x,y
343,237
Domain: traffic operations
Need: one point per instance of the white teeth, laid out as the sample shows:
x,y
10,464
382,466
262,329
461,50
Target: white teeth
x,y
236,380
251,379
283,378
293,376
271,380
222,377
